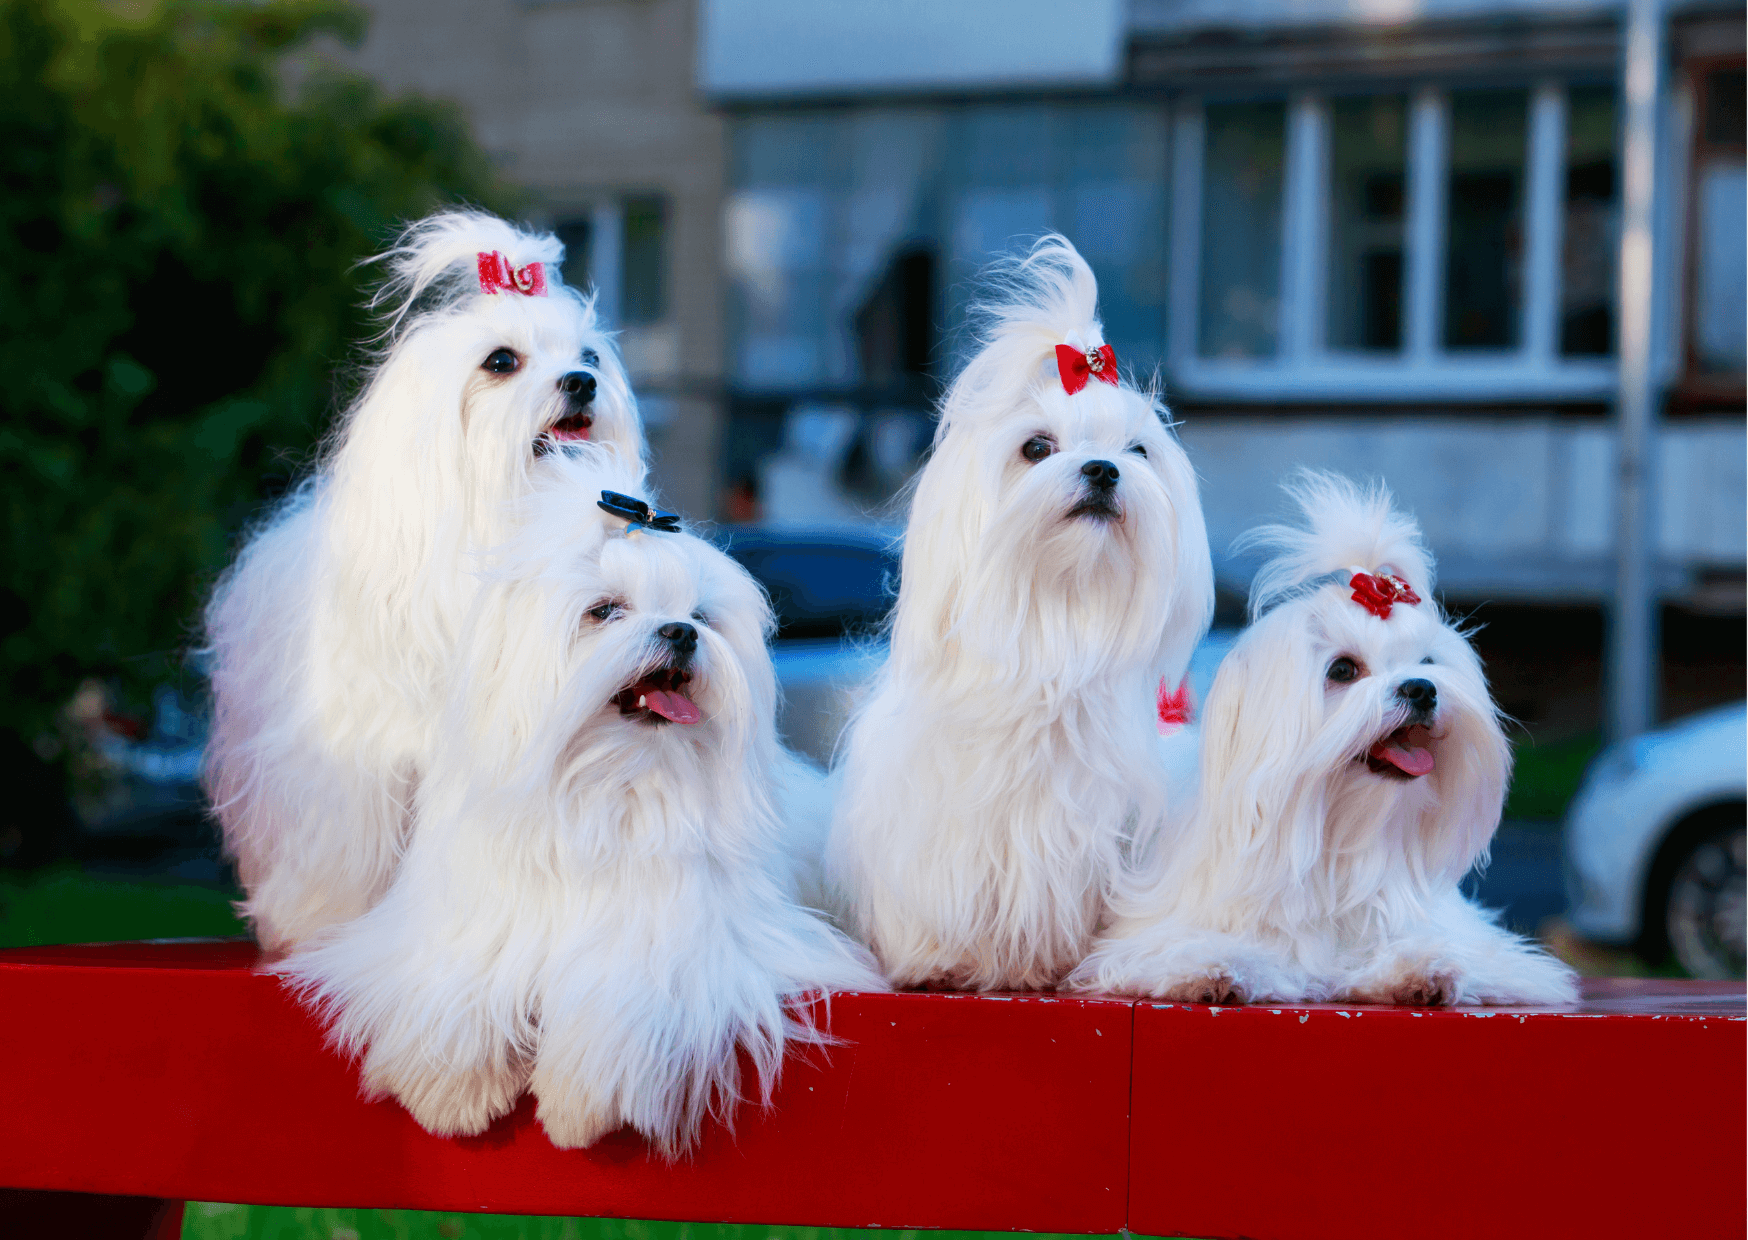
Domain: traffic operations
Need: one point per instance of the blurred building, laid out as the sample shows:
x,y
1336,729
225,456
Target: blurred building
x,y
590,107
1371,235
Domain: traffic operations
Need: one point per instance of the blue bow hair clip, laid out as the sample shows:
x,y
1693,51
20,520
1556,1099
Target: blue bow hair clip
x,y
638,513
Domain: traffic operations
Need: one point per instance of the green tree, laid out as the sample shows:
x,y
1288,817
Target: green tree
x,y
179,234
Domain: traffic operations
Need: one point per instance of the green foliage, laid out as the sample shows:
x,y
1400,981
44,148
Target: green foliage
x,y
212,1221
179,234
61,905
1546,776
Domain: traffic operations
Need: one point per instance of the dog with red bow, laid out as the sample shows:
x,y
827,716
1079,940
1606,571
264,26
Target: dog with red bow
x,y
1055,573
1353,771
593,903
329,638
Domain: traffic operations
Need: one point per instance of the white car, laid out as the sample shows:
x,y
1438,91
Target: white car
x,y
1654,844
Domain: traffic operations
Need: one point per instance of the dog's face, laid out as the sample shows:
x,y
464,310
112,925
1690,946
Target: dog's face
x,y
539,374
1064,528
1324,708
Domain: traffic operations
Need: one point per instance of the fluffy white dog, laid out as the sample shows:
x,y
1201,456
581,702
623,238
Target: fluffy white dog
x,y
330,635
1055,570
1353,770
592,902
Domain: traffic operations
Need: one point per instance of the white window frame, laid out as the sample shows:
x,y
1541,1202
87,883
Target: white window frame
x,y
1304,368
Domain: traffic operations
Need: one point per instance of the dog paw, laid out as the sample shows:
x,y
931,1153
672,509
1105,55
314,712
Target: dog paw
x,y
449,1103
1426,984
572,1125
1216,986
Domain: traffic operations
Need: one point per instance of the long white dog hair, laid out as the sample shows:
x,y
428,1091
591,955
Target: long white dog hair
x,y
329,636
1055,570
1353,771
592,903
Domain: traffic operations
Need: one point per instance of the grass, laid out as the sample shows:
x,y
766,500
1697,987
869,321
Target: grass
x,y
1547,776
62,904
213,1221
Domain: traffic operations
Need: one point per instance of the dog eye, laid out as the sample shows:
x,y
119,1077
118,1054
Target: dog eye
x,y
501,362
606,611
591,358
1140,448
1428,659
1343,670
1037,448
701,618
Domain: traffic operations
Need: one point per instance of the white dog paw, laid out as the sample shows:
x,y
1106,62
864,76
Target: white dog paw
x,y
450,1104
572,1124
1216,986
1424,983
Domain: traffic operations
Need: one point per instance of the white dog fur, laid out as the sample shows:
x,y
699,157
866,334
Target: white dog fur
x,y
1316,867
330,636
592,903
1008,748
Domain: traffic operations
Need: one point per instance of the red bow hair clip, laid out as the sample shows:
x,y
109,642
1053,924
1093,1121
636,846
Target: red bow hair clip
x,y
1174,708
497,276
1076,366
1378,593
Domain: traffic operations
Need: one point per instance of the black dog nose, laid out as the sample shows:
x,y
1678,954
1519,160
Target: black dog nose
x,y
1101,474
680,635
579,385
1420,694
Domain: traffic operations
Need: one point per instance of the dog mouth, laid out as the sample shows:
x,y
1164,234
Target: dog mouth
x,y
1404,754
1099,506
656,698
572,428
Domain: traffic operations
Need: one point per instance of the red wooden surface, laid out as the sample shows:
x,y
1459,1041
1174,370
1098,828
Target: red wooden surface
x,y
1625,1118
173,1071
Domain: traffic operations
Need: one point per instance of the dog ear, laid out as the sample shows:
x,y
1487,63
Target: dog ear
x,y
1260,722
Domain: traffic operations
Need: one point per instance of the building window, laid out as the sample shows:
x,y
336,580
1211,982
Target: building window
x,y
619,248
1718,319
644,298
1591,232
1241,229
1368,165
1396,246
1484,219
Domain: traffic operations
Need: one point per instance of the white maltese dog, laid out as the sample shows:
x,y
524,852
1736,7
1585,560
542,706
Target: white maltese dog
x,y
592,904
1055,571
1353,771
330,636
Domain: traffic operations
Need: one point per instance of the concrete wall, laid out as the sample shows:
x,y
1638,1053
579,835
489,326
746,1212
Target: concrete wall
x,y
579,103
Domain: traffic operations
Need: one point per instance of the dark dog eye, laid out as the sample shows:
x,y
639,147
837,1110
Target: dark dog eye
x,y
701,618
604,612
1428,659
1037,448
501,362
591,358
1343,670
1139,448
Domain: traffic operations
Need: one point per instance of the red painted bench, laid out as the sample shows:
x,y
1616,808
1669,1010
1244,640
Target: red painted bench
x,y
172,1071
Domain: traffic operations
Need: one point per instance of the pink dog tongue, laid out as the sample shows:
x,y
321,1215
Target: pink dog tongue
x,y
671,706
1408,758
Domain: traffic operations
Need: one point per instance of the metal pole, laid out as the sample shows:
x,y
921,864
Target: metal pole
x,y
1633,662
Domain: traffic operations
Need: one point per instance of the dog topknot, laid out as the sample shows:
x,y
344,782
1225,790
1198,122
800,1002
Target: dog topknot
x,y
1027,305
434,263
1345,527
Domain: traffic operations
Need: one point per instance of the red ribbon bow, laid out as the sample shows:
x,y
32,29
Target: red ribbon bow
x,y
1076,366
497,276
1378,594
1175,709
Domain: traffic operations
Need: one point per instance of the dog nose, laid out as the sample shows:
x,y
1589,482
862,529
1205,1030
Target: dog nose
x,y
1101,474
680,635
1420,694
579,385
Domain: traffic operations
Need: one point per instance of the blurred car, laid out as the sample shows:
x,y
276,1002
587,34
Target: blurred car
x,y
1654,844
